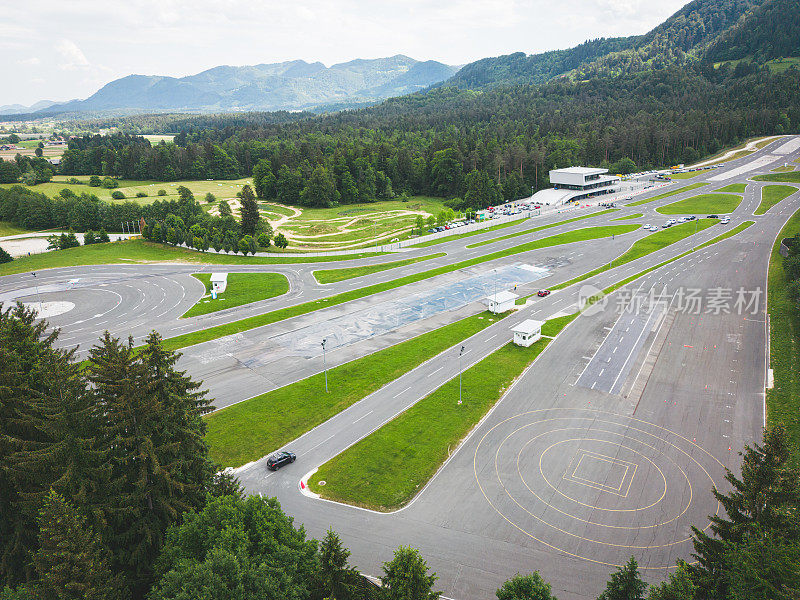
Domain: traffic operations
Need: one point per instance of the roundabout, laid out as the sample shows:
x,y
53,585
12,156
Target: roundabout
x,y
597,485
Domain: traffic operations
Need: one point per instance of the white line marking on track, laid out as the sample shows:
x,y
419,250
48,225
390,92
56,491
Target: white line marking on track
x,y
361,417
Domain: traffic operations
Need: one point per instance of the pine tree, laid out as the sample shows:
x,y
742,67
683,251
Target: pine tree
x,y
146,474
406,577
28,363
765,499
70,562
249,211
625,584
336,577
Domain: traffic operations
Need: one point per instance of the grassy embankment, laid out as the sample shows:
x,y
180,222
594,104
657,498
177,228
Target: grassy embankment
x,y
793,177
251,429
686,188
689,175
541,228
458,236
7,228
703,203
648,245
142,252
734,188
386,469
334,275
771,195
783,400
242,288
212,333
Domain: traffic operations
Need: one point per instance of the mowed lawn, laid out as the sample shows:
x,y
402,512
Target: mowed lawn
x,y
771,195
793,177
334,275
386,469
689,175
628,217
704,203
251,429
242,288
141,252
679,190
783,400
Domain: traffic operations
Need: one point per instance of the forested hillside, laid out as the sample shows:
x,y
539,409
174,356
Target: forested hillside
x,y
769,31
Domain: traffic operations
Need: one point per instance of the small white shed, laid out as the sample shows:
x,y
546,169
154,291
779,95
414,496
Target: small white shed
x,y
219,281
527,332
500,302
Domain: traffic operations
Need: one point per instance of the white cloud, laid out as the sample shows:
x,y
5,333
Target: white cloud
x,y
72,57
31,62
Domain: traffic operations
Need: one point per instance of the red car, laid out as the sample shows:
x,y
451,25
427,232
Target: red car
x,y
543,293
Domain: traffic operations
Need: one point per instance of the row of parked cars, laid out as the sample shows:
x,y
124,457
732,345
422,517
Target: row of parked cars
x,y
723,221
454,225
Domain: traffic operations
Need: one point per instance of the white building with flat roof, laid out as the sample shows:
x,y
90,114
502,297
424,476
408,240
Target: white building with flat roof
x,y
500,302
576,183
528,332
219,281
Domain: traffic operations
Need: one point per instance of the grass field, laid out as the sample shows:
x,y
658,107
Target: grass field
x,y
783,400
251,429
703,203
386,469
139,251
59,182
680,190
771,195
689,175
540,228
784,169
7,228
648,245
627,218
243,288
734,188
458,236
793,177
334,275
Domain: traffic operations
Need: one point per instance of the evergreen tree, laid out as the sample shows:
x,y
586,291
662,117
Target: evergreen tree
x,y
320,190
625,584
224,208
525,587
763,502
5,257
336,577
280,241
250,215
678,587
71,561
406,577
148,494
264,180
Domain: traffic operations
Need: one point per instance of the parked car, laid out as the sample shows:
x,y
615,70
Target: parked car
x,y
543,293
691,218
712,217
666,225
277,460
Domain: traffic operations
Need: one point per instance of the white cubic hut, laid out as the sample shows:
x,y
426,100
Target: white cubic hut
x,y
500,302
219,281
528,332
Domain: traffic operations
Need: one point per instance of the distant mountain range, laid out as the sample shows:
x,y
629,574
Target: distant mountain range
x,y
18,109
292,85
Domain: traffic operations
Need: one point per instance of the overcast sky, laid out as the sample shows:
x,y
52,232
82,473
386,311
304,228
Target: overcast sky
x,y
64,49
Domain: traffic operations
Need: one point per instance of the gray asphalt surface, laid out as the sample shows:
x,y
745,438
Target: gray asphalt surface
x,y
560,477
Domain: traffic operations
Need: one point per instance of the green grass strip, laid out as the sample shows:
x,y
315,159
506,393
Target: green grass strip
x,y
458,236
386,469
643,247
734,188
703,203
688,175
783,400
542,227
681,190
212,333
334,275
719,238
251,429
142,252
793,177
628,217
243,288
771,195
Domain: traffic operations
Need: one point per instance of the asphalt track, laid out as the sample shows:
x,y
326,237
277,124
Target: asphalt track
x,y
606,447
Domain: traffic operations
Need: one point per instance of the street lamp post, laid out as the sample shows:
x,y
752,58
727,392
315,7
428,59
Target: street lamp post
x,y
325,364
38,296
460,354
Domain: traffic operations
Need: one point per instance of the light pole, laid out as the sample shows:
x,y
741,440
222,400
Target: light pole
x,y
325,364
460,354
694,237
36,284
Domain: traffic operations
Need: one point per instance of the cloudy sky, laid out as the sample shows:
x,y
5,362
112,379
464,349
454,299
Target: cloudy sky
x,y
59,50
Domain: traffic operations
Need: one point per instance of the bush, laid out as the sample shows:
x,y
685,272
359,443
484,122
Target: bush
x,y
110,183
263,240
95,181
117,195
162,192
89,238
141,194
102,237
5,257
281,241
210,198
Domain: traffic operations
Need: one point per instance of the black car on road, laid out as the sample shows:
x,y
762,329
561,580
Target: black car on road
x,y
277,460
